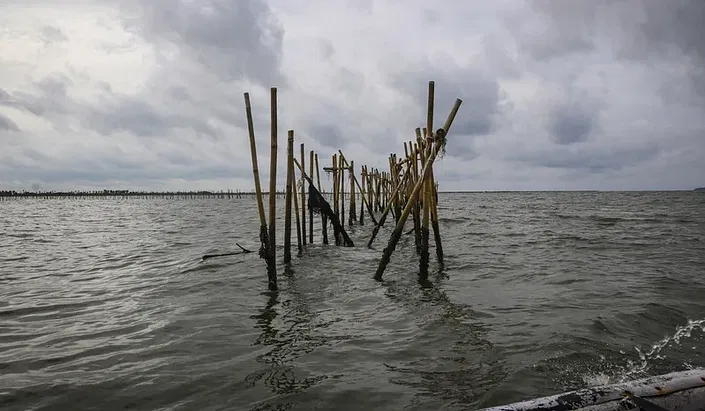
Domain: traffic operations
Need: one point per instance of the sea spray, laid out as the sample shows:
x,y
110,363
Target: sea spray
x,y
647,357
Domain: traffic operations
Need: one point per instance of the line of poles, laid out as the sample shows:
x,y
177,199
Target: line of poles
x,y
406,187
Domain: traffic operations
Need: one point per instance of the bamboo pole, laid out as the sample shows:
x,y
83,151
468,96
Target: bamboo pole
x,y
361,186
342,189
336,202
407,175
427,147
362,194
351,176
273,189
295,197
418,158
310,210
303,196
396,234
287,210
264,251
324,218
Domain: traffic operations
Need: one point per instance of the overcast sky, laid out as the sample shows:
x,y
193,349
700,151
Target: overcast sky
x,y
593,94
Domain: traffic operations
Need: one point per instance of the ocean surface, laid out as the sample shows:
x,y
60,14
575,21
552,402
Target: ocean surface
x,y
106,304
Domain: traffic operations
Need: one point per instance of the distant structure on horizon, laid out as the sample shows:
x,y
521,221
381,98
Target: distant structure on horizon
x,y
700,189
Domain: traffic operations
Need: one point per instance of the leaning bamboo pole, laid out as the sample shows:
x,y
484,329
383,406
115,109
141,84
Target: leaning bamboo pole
x,y
407,175
264,251
396,234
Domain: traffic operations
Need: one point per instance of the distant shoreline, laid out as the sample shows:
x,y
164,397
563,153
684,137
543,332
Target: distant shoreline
x,y
238,193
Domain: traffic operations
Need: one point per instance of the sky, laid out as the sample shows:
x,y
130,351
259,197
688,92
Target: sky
x,y
557,95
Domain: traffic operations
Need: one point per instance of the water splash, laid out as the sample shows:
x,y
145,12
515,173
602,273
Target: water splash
x,y
646,357
637,369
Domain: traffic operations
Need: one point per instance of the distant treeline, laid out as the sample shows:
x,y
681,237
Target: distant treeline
x,y
13,193
127,193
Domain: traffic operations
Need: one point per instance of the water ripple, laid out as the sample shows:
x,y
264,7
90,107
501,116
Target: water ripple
x,y
107,305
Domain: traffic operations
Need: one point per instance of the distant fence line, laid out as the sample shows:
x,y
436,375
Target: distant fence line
x,y
12,194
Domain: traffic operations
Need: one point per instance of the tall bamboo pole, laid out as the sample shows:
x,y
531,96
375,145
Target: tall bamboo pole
x,y
427,147
303,196
287,211
273,189
310,210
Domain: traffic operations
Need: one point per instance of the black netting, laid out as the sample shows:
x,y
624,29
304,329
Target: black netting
x,y
318,204
315,199
264,241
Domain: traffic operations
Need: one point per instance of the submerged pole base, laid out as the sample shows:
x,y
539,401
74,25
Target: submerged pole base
x,y
423,264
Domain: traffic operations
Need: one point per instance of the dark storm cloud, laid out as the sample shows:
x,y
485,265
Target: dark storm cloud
x,y
115,112
143,119
589,160
48,99
478,90
327,134
7,124
637,30
563,28
571,123
234,38
112,166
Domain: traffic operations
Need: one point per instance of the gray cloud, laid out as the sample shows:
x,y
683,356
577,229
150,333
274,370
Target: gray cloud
x,y
572,124
235,39
7,124
592,160
50,34
329,135
571,92
478,90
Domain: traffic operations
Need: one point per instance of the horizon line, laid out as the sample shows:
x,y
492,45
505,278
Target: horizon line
x,y
238,192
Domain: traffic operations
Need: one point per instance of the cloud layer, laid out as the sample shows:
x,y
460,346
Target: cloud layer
x,y
607,94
